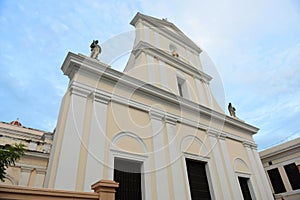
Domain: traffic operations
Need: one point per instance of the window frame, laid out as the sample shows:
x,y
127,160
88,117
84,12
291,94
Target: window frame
x,y
282,182
249,183
145,167
208,169
182,87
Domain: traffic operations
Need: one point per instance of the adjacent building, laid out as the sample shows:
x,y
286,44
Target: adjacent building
x,y
155,128
31,169
282,167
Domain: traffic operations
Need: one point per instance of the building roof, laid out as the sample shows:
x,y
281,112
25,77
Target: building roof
x,y
166,26
281,148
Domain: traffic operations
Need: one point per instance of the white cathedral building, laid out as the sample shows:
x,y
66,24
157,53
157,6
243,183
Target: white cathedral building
x,y
155,128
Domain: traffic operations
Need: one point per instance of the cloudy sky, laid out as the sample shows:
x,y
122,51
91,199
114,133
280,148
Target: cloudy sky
x,y
254,47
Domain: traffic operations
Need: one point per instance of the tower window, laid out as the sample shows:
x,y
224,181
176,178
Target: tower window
x,y
182,87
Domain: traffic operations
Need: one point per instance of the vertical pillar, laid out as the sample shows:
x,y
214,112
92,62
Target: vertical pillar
x,y
163,77
67,165
203,99
263,176
97,137
219,166
285,179
234,187
25,175
160,164
257,183
151,69
39,179
175,155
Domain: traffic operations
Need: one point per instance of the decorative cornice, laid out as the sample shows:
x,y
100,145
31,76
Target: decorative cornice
x,y
76,89
213,133
37,154
130,82
169,119
155,114
168,58
248,144
20,133
269,153
27,167
162,27
101,98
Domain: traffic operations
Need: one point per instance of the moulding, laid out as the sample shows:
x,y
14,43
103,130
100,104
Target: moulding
x,y
168,58
124,80
157,23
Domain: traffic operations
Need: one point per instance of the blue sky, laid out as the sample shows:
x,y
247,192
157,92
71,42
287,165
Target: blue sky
x,y
253,45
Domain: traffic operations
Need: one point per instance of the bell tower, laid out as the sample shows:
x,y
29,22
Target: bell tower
x,y
165,57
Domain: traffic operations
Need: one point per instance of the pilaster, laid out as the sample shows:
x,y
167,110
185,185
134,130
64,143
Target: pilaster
x,y
72,137
178,181
260,168
39,179
97,139
234,187
257,184
25,175
159,155
219,166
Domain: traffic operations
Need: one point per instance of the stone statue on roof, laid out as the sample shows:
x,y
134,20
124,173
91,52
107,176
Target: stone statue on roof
x,y
95,49
231,110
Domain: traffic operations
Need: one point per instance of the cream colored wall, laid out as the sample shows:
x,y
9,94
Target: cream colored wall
x,y
31,168
134,95
147,34
137,120
122,118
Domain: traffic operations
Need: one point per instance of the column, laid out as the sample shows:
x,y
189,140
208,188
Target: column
x,y
71,142
161,175
285,179
234,186
257,183
163,77
178,180
203,99
25,175
263,176
97,137
219,166
39,179
151,69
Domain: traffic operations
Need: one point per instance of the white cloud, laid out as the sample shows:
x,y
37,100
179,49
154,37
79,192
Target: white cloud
x,y
254,44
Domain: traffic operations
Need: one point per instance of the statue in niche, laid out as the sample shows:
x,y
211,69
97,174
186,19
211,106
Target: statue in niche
x,y
175,54
231,110
95,49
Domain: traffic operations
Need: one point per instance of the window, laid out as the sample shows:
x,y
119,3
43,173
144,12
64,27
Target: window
x,y
198,182
292,173
128,174
245,188
276,181
182,88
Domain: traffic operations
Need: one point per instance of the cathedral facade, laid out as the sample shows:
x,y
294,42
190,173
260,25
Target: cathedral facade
x,y
155,128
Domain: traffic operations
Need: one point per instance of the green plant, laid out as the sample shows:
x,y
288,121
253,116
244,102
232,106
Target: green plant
x,y
9,154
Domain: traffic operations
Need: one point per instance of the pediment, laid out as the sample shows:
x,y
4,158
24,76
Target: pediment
x,y
165,26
